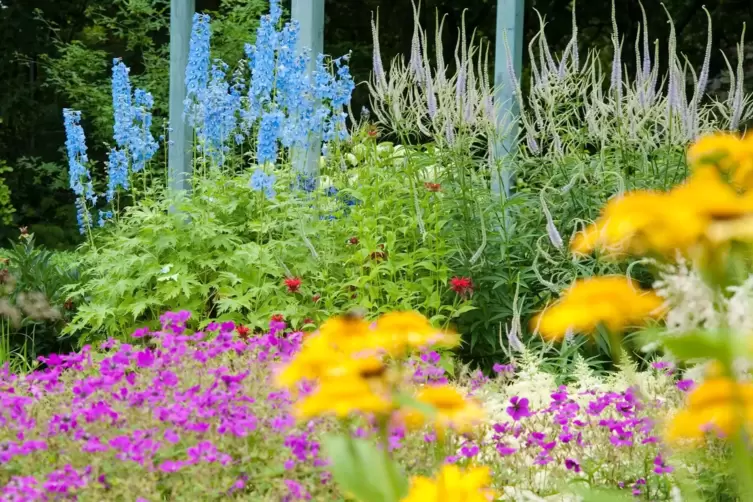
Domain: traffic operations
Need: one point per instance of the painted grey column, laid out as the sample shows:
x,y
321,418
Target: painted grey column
x,y
310,15
510,29
180,149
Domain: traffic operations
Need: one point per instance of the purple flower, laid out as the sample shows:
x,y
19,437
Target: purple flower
x,y
572,465
145,359
543,458
296,491
685,385
560,395
469,451
503,368
171,466
519,408
621,437
661,365
660,466
505,450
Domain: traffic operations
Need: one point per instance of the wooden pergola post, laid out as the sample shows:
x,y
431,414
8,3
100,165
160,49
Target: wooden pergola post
x,y
180,149
310,15
509,30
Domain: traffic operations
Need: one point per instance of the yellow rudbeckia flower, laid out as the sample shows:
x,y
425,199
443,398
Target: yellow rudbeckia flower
x,y
731,154
615,302
453,410
640,222
718,405
452,485
343,396
398,332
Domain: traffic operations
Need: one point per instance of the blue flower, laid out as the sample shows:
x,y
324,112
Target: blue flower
x,y
331,191
261,62
269,133
117,173
305,182
142,145
275,11
121,103
104,216
219,107
78,174
262,182
83,216
197,70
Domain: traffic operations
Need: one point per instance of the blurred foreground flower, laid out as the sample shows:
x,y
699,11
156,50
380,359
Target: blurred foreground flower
x,y
452,410
718,406
452,485
615,302
345,357
706,209
731,154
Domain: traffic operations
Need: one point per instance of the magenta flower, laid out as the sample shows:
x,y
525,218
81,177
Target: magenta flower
x,y
660,466
685,385
505,450
572,465
503,368
519,408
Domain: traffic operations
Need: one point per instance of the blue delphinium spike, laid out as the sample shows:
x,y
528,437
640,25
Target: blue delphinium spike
x,y
197,70
121,103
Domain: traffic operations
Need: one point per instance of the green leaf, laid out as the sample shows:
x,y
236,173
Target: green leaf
x,y
406,400
364,471
697,345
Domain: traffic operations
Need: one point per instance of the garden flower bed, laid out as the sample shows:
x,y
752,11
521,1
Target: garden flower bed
x,y
179,415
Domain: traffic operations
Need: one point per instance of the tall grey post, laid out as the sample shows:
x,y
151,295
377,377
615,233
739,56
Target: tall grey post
x,y
180,148
310,14
509,29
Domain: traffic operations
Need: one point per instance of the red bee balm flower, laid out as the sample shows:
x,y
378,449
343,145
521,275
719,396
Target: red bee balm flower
x,y
353,240
433,187
293,284
462,285
242,331
278,318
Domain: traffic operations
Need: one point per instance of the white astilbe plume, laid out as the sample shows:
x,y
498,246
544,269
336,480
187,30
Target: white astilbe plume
x,y
616,80
378,69
453,110
554,236
513,333
691,301
646,109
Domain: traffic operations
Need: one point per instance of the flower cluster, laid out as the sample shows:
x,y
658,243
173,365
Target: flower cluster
x,y
175,406
78,174
281,105
612,302
707,220
179,412
135,145
263,182
703,210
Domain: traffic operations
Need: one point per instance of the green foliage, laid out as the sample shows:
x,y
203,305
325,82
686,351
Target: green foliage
x,y
6,207
226,252
34,306
364,471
